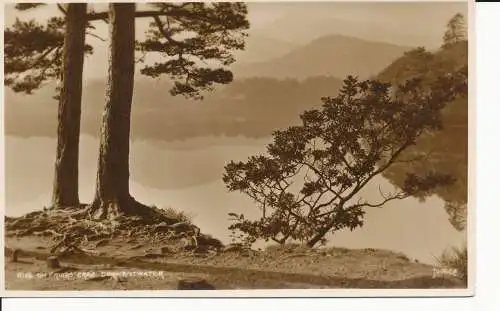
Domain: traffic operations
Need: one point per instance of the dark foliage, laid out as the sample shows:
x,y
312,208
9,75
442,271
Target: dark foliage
x,y
195,38
444,150
27,6
33,52
456,31
336,152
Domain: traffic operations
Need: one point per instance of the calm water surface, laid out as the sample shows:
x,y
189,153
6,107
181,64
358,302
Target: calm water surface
x,y
187,176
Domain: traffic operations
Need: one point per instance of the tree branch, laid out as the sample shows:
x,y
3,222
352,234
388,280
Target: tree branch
x,y
415,159
322,178
42,57
139,14
95,36
398,196
150,13
161,28
393,158
359,186
61,8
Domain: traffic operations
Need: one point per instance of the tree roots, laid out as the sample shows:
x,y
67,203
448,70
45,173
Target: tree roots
x,y
72,229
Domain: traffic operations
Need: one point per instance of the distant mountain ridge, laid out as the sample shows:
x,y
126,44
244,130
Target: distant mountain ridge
x,y
251,107
332,55
261,48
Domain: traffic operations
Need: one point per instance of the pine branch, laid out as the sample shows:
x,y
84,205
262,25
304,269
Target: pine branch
x,y
43,56
139,14
161,28
61,8
27,6
95,36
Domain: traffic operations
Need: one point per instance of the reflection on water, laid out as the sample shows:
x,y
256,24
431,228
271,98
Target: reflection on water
x,y
187,176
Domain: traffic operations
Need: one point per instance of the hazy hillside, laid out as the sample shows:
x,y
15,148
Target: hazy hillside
x,y
366,30
249,107
261,48
401,23
332,55
447,149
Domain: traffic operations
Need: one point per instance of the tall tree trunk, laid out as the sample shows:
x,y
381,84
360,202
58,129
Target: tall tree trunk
x,y
65,187
112,197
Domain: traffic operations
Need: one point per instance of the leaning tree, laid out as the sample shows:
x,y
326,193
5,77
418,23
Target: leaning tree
x,y
309,182
195,41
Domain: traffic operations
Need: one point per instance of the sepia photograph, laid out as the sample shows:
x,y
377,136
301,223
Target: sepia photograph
x,y
237,146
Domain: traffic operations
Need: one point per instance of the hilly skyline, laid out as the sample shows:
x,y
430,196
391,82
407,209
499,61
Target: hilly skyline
x,y
274,29
258,91
330,55
400,23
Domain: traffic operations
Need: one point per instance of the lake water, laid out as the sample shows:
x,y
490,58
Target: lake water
x,y
187,176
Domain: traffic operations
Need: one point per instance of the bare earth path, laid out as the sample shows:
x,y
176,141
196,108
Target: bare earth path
x,y
144,265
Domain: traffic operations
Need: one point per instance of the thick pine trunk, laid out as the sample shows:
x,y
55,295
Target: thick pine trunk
x,y
112,197
65,187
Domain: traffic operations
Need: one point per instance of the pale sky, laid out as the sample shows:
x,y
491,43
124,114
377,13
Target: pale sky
x,y
404,23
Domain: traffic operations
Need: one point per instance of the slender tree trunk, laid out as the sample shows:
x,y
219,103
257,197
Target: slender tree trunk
x,y
65,187
324,231
339,211
112,197
318,236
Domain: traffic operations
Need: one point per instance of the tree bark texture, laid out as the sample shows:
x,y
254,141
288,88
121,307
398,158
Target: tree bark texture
x,y
112,197
65,186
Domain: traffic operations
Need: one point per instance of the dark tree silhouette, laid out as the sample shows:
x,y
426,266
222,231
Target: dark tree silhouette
x,y
187,35
112,190
307,184
195,38
35,54
456,30
65,189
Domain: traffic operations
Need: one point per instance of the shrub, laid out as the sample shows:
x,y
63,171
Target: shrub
x,y
180,216
336,151
455,259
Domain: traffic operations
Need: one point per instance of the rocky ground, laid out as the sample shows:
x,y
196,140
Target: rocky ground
x,y
64,250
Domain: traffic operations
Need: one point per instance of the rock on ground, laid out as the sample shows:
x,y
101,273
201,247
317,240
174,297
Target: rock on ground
x,y
194,284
